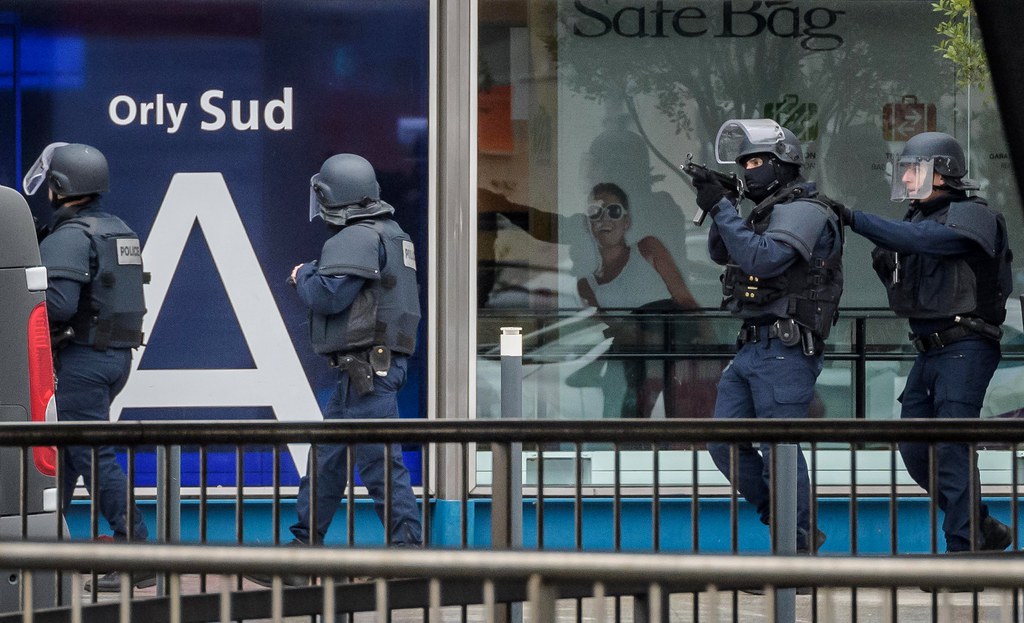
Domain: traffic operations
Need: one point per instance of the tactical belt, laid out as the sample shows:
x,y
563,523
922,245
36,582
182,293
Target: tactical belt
x,y
362,366
925,343
785,330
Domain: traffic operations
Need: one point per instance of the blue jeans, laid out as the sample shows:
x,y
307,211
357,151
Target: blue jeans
x,y
949,382
766,379
332,463
87,382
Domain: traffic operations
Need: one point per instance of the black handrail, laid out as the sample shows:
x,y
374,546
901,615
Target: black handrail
x,y
234,432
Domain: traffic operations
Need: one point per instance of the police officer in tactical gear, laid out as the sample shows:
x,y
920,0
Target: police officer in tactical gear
x,y
783,277
95,305
363,303
946,268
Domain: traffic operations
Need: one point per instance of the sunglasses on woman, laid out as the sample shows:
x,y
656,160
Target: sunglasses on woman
x,y
615,211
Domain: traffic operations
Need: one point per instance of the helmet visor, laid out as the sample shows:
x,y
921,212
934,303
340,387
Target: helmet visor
x,y
735,134
314,205
911,177
37,172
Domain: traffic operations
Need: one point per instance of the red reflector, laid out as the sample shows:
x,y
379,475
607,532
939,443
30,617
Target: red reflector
x,y
41,384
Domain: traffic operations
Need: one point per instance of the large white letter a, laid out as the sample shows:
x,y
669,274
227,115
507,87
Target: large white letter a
x,y
277,380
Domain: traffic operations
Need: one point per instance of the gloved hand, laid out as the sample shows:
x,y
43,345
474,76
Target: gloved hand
x,y
845,215
709,190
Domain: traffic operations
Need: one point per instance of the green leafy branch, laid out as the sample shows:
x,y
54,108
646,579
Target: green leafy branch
x,y
961,43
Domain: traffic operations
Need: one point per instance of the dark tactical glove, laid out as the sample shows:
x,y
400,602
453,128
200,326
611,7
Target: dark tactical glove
x,y
709,190
845,215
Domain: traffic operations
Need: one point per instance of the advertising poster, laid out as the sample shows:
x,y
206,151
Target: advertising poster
x,y
213,117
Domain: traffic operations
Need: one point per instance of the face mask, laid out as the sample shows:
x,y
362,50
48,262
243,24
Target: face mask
x,y
760,182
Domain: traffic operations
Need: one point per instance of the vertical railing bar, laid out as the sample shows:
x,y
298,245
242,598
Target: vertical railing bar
x,y
854,546
860,388
933,515
314,520
814,522
974,493
76,598
599,602
23,491
276,606
655,498
130,497
58,594
203,501
126,599
893,525
27,599
381,601
275,503
94,495
389,456
933,497
578,494
425,453
617,497
578,517
540,496
490,606
175,597
464,497
225,598
773,497
94,506
734,506
350,495
694,515
239,499
435,601
1014,523
327,586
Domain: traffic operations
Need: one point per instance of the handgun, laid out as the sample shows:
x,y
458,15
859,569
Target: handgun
x,y
732,183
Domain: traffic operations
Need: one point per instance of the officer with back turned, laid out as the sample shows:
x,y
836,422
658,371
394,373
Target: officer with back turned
x,y
363,303
945,267
783,277
95,304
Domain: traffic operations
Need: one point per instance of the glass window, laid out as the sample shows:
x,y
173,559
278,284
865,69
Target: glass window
x,y
586,110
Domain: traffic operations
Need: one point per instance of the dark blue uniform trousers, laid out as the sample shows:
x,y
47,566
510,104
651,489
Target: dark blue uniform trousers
x,y
87,382
949,382
766,379
332,463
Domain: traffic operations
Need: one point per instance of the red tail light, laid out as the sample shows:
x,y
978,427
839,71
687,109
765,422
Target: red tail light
x,y
41,384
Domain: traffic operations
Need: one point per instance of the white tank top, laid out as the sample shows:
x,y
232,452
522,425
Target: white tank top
x,y
637,285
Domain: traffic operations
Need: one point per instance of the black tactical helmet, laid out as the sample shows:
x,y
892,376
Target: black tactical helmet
x,y
346,189
77,170
947,157
785,150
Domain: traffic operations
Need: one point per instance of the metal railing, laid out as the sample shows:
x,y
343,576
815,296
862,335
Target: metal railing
x,y
641,436
461,578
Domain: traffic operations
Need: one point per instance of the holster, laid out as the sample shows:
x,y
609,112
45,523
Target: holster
x,y
360,373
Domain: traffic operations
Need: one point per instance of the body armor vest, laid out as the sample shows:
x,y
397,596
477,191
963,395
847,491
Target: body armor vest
x,y
931,287
111,305
808,291
386,312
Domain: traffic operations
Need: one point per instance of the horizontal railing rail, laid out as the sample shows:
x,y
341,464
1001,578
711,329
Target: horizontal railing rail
x,y
721,571
240,433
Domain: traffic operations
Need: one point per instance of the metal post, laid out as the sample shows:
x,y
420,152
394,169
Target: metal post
x,y
785,527
507,461
168,501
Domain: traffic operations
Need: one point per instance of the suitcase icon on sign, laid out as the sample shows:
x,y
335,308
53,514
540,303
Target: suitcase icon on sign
x,y
799,118
907,118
